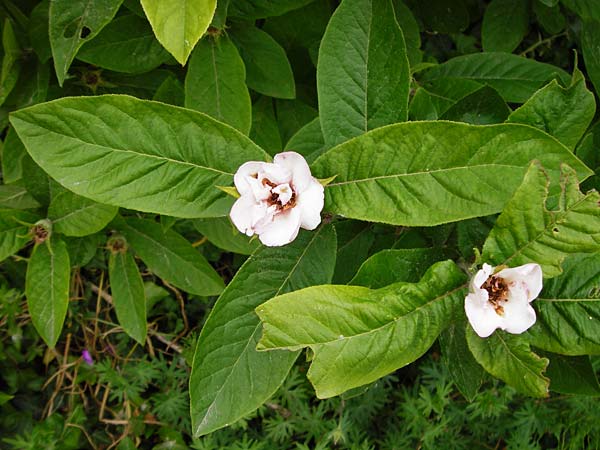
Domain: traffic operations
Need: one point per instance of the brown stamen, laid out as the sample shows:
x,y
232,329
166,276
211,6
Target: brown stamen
x,y
498,292
274,198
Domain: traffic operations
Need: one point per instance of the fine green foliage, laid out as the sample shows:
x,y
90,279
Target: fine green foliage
x,y
232,331
47,288
528,232
357,334
427,173
141,143
179,24
363,74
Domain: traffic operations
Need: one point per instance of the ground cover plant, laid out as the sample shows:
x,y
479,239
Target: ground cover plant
x,y
299,224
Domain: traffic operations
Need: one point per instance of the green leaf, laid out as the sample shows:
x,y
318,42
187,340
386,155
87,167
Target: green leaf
x,y
482,107
428,173
82,249
410,31
308,141
291,116
226,361
568,309
5,398
215,83
11,65
170,256
550,18
38,30
391,266
435,98
119,146
573,375
126,44
259,9
16,197
36,181
441,16
13,152
363,73
514,77
565,113
220,16
265,131
528,232
359,335
128,296
171,91
14,232
508,357
74,215
179,24
33,84
223,234
586,9
590,36
71,24
354,241
268,70
466,373
505,24
47,288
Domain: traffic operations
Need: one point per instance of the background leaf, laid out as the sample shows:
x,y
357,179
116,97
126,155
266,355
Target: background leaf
x,y
179,24
427,173
14,232
363,72
226,361
259,9
572,375
136,154
222,233
505,24
481,107
47,288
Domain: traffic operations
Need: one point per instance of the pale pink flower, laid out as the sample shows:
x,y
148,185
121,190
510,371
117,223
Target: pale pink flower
x,y
502,299
277,199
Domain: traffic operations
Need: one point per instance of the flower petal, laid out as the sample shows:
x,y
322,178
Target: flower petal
x,y
518,316
282,230
245,212
481,276
529,276
296,164
310,203
244,174
481,314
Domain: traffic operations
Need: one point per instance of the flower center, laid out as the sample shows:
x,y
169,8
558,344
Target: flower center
x,y
497,293
282,196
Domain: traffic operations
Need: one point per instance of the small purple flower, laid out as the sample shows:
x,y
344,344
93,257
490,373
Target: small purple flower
x,y
87,357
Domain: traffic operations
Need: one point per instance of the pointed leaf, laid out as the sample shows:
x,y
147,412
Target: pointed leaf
x,y
308,141
428,173
508,357
572,375
482,107
16,197
11,61
527,232
47,288
359,335
590,35
215,83
13,152
505,24
363,71
179,24
14,232
128,296
136,154
74,215
226,361
71,24
170,256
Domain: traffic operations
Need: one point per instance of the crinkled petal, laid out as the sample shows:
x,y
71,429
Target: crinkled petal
x,y
481,314
481,276
310,203
518,315
528,277
296,164
282,230
245,212
276,173
244,175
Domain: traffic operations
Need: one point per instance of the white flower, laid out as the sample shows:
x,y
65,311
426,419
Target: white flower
x,y
501,300
276,199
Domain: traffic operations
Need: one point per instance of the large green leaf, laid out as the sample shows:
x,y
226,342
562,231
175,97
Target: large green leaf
x,y
258,9
504,26
565,113
265,131
74,215
363,72
127,44
308,141
482,107
226,362
11,61
16,197
434,98
14,231
428,173
508,357
179,24
170,256
74,22
528,232
222,233
47,288
590,36
410,30
568,309
136,154
215,83
514,77
359,335
268,70
572,375
127,291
